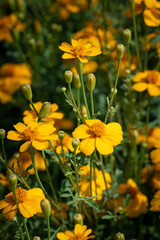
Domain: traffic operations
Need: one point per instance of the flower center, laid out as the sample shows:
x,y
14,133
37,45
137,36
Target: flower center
x,y
30,134
78,51
97,129
21,194
152,78
132,191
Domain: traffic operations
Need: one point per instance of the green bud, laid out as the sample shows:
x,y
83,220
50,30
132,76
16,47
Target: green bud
x,y
21,5
61,135
119,236
46,207
14,219
68,75
16,155
2,133
63,89
75,143
36,238
76,81
127,71
120,51
127,34
56,27
91,81
84,112
78,219
79,66
114,90
12,181
44,111
27,91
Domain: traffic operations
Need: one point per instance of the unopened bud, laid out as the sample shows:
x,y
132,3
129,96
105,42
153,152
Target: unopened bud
x,y
61,135
14,219
78,219
27,91
127,34
91,81
76,81
56,27
84,112
114,90
127,71
16,155
120,51
45,109
46,207
63,89
119,236
75,143
68,75
2,133
12,181
36,238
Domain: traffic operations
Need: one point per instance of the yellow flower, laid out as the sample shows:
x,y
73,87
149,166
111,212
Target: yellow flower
x,y
155,203
64,208
78,50
12,76
98,184
97,135
28,203
151,176
138,201
148,80
30,115
24,161
67,144
80,233
34,133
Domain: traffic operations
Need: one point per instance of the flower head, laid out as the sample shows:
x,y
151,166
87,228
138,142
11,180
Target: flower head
x,y
80,233
28,203
148,80
34,133
155,203
79,50
97,135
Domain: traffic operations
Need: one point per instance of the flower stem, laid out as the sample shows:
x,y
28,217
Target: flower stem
x,y
48,228
3,150
77,180
26,229
136,39
84,94
33,107
70,90
128,56
113,94
49,177
92,103
91,166
78,98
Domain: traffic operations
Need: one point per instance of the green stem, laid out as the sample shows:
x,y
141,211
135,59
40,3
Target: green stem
x,y
128,56
84,94
3,150
49,177
113,94
33,107
92,104
78,98
77,180
48,228
70,90
136,169
26,229
91,166
136,39
112,173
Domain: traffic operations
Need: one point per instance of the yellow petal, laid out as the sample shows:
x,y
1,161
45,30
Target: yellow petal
x,y
40,145
20,127
66,47
155,156
83,60
92,121
82,131
25,146
153,90
46,129
104,146
151,18
141,76
87,146
9,212
74,43
150,3
67,56
26,209
13,135
140,87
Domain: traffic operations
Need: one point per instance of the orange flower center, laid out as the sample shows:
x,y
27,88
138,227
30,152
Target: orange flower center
x,y
21,194
152,78
78,51
30,134
97,129
132,191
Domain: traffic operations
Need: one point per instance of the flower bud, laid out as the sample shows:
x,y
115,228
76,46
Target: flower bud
x,y
12,181
45,109
76,81
16,155
56,27
84,112
114,90
120,51
119,236
127,71
36,238
61,135
91,81
14,219
63,89
127,34
75,143
78,219
46,207
27,91
68,75
2,133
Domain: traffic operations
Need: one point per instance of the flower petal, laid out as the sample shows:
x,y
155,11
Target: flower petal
x,y
104,146
46,129
87,146
25,146
140,87
155,156
67,56
82,131
20,127
40,145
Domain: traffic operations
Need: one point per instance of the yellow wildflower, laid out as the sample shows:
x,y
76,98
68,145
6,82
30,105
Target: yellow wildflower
x,y
78,50
98,135
28,203
36,134
80,233
155,203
